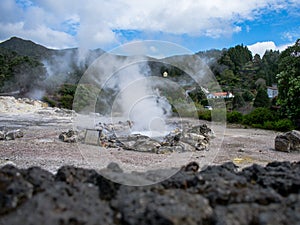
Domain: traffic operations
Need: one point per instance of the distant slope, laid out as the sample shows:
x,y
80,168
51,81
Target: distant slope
x,y
27,48
26,66
68,66
31,49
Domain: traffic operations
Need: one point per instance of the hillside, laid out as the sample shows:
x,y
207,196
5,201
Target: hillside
x,y
26,67
31,70
27,48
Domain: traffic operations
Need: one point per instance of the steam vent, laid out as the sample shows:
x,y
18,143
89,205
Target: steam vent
x,y
118,135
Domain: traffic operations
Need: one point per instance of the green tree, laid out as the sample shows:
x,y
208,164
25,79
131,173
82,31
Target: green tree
x,y
269,67
238,101
262,98
289,82
236,57
229,78
197,95
247,96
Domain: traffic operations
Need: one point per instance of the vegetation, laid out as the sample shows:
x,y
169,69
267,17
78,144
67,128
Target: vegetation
x,y
261,98
234,117
263,118
289,82
22,68
19,73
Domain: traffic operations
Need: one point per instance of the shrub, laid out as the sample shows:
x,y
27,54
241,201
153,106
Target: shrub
x,y
259,116
248,96
184,108
234,117
204,115
66,101
280,125
284,125
268,125
50,102
218,115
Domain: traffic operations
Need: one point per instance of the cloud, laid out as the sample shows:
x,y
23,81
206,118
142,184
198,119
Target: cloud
x,y
40,34
95,23
292,34
261,47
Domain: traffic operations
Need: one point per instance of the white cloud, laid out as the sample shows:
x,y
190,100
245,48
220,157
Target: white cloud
x,y
40,34
261,47
99,18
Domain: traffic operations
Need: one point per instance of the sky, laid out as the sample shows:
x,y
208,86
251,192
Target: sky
x,y
196,25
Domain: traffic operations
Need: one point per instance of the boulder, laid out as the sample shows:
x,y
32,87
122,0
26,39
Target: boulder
x,y
70,136
287,142
11,135
142,144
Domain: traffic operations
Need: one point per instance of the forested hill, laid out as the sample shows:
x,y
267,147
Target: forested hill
x,y
237,69
20,60
25,67
27,48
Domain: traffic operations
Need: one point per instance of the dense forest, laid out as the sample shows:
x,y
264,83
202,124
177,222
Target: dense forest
x,y
27,68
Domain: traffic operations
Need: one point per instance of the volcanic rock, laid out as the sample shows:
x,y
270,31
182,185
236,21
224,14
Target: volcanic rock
x,y
142,143
11,135
214,196
287,142
119,135
70,136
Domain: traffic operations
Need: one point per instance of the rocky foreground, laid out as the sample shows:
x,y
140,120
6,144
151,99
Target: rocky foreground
x,y
215,195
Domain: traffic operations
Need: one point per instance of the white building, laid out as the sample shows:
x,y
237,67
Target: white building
x,y
220,95
272,91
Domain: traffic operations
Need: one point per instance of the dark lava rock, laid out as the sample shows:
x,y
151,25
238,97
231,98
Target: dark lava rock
x,y
63,204
283,177
146,207
39,178
217,195
14,189
72,175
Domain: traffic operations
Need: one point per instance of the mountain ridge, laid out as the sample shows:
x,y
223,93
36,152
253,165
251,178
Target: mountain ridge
x,y
29,48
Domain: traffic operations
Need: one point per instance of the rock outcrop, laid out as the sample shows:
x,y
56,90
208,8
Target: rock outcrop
x,y
287,142
216,195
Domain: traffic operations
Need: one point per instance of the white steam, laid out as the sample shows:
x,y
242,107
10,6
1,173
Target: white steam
x,y
140,102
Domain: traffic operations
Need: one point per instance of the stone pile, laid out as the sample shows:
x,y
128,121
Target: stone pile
x,y
10,134
214,196
196,138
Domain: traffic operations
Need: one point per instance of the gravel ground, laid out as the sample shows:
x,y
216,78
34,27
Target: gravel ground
x,y
40,146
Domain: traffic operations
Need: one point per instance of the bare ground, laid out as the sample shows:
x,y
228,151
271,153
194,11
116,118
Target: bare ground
x,y
41,147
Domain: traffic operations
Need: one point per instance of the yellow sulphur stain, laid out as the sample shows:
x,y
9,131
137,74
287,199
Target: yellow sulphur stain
x,y
243,160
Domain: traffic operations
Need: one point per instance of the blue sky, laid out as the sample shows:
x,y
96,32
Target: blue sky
x,y
193,24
